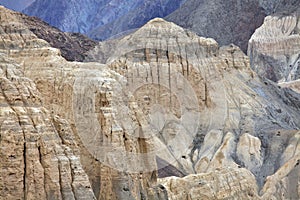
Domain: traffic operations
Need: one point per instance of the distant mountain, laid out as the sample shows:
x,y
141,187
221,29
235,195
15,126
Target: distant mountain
x,y
100,19
226,21
17,5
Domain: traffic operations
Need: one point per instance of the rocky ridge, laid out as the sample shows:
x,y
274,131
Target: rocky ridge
x,y
224,85
227,22
274,48
165,92
100,19
55,79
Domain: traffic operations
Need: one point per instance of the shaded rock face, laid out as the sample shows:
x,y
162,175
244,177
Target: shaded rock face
x,y
73,46
17,5
100,19
278,6
274,47
164,100
227,22
134,18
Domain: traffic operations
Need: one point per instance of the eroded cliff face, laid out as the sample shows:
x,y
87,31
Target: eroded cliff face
x,y
274,47
56,80
163,94
224,117
39,156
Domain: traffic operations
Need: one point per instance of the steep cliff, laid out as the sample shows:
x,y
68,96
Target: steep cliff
x,y
39,156
206,110
59,83
274,47
165,102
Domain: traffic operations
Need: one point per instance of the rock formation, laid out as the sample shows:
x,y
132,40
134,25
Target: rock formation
x,y
232,107
73,46
163,102
56,79
39,156
274,47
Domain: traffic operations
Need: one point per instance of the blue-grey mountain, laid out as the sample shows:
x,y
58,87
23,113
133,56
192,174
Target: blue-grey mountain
x,y
100,19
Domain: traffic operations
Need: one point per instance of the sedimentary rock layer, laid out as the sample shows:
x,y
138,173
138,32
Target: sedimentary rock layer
x,y
163,94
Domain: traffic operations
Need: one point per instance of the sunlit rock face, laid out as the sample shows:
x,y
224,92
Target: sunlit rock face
x,y
225,116
40,158
56,79
164,102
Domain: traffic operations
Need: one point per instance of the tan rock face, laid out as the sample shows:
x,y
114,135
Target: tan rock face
x,y
163,92
234,127
220,184
39,156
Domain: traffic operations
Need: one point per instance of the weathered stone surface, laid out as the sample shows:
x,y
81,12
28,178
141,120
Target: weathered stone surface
x,y
56,79
274,48
39,156
243,121
220,184
163,92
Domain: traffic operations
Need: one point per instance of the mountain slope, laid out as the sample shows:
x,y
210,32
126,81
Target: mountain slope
x,y
162,92
17,5
135,18
243,122
227,22
115,16
73,46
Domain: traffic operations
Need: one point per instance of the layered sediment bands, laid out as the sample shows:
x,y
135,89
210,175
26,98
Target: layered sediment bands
x,y
163,92
226,116
39,156
274,48
56,79
241,119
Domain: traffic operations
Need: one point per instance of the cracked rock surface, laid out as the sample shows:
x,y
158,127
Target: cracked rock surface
x,y
163,100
